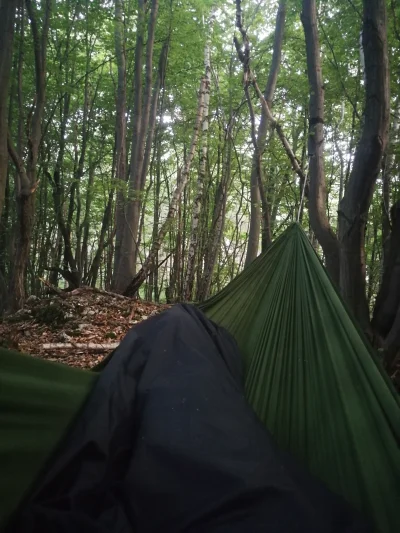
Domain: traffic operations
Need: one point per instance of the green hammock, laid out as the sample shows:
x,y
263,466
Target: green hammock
x,y
39,401
311,376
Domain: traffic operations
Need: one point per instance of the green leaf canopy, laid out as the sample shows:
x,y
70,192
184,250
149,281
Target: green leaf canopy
x,y
311,376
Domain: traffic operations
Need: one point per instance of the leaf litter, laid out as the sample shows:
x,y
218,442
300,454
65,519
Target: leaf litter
x,y
82,326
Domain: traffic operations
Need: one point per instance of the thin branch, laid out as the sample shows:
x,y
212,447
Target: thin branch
x,y
24,185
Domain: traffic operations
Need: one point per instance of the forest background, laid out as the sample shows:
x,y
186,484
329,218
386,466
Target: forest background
x,y
156,147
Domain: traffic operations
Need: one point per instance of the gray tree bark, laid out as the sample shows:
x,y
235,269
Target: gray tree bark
x,y
255,200
141,115
353,209
7,18
120,130
197,204
149,263
27,172
317,195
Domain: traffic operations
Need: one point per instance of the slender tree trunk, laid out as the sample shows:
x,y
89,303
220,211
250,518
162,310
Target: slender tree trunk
x,y
86,222
162,65
156,217
317,189
85,135
149,263
27,174
371,271
159,84
353,209
388,169
385,321
141,116
198,200
70,265
127,251
55,256
217,224
120,132
255,200
7,18
102,244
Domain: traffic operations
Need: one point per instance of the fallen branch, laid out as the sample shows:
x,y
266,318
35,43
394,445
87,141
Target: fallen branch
x,y
53,288
80,346
81,290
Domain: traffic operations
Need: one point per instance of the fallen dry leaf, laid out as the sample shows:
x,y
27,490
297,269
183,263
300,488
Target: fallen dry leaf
x,y
81,317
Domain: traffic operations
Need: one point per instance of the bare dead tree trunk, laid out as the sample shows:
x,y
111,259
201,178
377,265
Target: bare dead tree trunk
x,y
198,200
27,181
353,209
255,200
317,189
149,263
7,18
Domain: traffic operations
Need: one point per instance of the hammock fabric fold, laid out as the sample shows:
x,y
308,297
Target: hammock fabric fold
x,y
311,376
39,402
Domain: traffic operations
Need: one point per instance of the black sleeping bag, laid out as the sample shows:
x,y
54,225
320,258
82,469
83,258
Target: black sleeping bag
x,y
167,443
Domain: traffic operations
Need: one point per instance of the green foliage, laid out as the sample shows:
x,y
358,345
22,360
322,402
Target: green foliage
x,y
81,65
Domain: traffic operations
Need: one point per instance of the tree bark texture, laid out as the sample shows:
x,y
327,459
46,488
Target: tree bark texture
x,y
353,209
317,195
120,130
218,220
27,172
385,322
141,116
7,18
198,200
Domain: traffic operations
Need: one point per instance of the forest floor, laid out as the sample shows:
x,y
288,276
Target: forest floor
x,y
81,327
78,328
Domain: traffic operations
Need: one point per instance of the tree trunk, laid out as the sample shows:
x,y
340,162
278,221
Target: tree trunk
x,y
27,174
153,286
70,264
389,168
7,18
197,205
84,256
141,114
255,200
317,189
120,132
106,222
353,209
218,219
149,263
387,308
